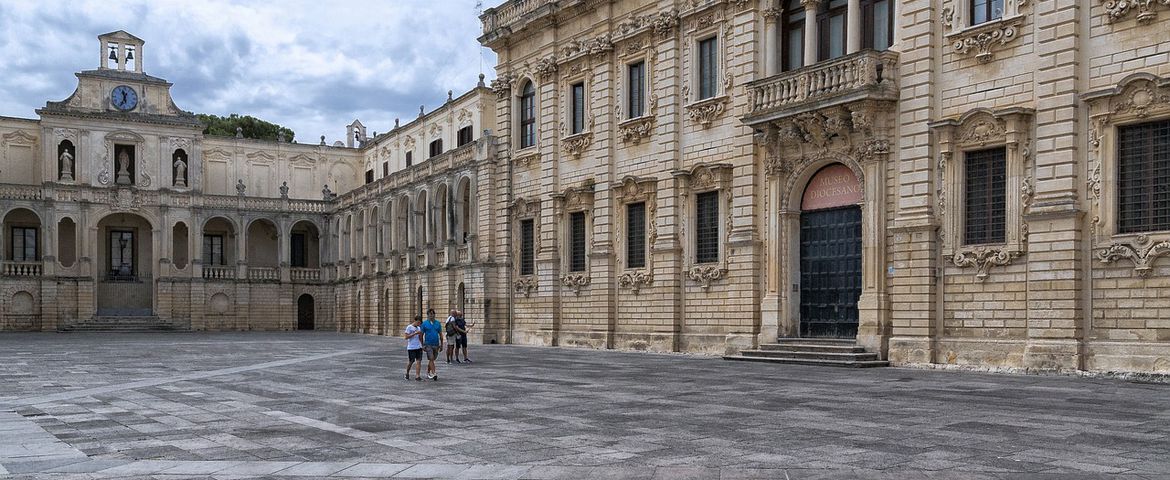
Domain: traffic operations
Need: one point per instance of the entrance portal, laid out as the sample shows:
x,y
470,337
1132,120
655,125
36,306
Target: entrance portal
x,y
305,313
830,254
125,272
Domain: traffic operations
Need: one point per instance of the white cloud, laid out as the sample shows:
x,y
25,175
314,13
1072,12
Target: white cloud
x,y
312,66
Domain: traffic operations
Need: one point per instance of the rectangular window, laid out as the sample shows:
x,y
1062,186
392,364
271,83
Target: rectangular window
x,y
637,98
464,136
1143,153
24,244
831,29
298,251
707,227
370,176
528,116
527,247
636,235
213,250
793,37
877,24
578,120
708,68
985,207
577,242
385,169
983,11
121,254
436,147
409,158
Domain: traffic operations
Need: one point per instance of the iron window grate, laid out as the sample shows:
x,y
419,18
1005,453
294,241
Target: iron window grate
x,y
1144,177
986,207
577,239
527,247
707,227
636,235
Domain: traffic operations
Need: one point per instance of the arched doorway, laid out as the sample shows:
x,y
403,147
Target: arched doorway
x,y
125,272
830,253
306,318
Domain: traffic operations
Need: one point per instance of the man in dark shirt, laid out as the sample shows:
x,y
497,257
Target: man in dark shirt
x,y
461,327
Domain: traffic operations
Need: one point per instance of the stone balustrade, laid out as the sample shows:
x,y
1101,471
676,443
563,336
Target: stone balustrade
x,y
305,274
864,74
263,273
219,272
510,12
462,254
22,269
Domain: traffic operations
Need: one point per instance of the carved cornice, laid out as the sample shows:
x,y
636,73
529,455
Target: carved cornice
x,y
1142,251
705,274
706,111
1117,10
635,280
634,130
525,285
983,259
575,281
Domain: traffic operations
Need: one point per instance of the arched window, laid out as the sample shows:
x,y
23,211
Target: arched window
x,y
528,115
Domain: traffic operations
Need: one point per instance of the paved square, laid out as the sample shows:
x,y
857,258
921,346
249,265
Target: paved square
x,y
311,405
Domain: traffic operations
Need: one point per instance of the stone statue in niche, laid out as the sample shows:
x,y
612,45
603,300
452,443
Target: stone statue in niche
x,y
284,190
123,166
180,170
240,187
66,159
326,193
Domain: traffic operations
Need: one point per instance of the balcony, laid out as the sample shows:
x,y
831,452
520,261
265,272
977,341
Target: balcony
x,y
22,269
864,75
305,274
263,273
219,272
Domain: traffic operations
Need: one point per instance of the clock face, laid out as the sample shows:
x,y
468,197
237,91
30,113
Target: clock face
x,y
124,98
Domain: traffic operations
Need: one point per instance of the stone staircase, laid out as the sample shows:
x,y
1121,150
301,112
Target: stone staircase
x,y
829,352
122,323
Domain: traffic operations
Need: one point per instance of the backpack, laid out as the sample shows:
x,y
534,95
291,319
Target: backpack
x,y
451,328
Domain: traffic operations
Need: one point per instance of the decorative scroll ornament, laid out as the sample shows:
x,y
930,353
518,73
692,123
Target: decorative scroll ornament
x,y
706,111
1119,9
576,145
546,67
503,84
126,201
635,280
179,142
983,259
525,158
633,131
665,22
1142,257
705,274
575,281
144,180
526,285
981,40
1027,190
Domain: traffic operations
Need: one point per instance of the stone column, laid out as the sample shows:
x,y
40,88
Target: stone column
x,y
810,30
853,26
772,43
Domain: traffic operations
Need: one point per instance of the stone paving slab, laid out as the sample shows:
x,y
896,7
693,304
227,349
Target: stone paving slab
x,y
314,405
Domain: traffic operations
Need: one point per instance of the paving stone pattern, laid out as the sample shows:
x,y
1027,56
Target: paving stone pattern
x,y
313,405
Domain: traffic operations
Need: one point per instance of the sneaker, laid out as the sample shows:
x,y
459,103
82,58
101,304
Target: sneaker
x,y
449,361
408,376
418,378
435,378
432,377
457,361
466,360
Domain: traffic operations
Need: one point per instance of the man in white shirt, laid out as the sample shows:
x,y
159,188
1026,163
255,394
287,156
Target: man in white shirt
x,y
414,351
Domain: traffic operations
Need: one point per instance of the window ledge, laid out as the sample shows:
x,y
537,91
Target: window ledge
x,y
979,39
526,156
707,110
1140,248
636,278
635,129
577,143
525,285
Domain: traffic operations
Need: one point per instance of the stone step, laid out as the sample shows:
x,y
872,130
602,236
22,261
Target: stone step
x,y
813,347
862,356
113,323
809,361
817,341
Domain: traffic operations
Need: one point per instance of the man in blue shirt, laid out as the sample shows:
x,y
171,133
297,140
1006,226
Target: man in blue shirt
x,y
413,335
432,332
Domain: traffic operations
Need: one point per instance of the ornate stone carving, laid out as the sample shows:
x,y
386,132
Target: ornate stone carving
x,y
981,131
948,16
1140,99
575,281
1027,191
545,68
1142,256
772,13
706,111
983,259
144,180
179,142
635,280
525,285
980,40
126,201
502,85
872,149
576,145
705,274
526,157
596,47
1119,9
633,131
665,22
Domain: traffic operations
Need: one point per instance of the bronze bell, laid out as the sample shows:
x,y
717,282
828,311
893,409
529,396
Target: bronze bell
x,y
113,54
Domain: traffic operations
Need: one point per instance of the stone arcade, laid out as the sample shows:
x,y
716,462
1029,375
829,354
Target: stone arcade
x,y
934,181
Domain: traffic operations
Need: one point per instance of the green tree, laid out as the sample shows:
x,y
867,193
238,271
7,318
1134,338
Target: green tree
x,y
250,126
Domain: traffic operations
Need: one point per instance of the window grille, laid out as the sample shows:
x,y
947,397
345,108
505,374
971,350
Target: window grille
x,y
707,227
636,235
577,240
985,205
1143,153
527,247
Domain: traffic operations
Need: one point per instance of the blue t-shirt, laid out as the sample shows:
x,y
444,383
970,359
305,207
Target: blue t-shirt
x,y
413,343
431,329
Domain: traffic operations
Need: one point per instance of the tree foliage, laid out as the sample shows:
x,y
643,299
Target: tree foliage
x,y
252,127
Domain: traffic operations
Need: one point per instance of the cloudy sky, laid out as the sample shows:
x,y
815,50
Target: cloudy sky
x,y
312,66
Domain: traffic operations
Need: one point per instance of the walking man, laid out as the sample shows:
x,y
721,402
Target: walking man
x,y
452,334
433,341
461,328
414,348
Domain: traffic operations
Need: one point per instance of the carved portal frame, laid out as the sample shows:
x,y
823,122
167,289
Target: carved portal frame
x,y
575,145
525,209
975,130
641,48
702,25
574,200
629,191
1138,98
703,178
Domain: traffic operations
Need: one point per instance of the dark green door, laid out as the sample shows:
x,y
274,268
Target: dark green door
x,y
830,272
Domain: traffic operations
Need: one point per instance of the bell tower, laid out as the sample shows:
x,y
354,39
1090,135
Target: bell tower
x,y
121,51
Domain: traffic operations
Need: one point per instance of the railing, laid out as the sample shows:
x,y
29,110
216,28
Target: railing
x,y
509,12
420,260
305,274
21,192
826,79
22,269
440,256
308,206
263,273
462,254
219,272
